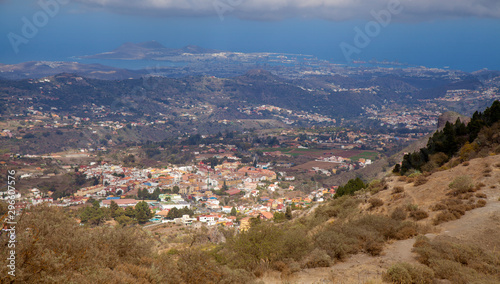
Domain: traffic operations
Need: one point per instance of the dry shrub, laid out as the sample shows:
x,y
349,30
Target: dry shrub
x,y
465,164
402,178
457,262
461,184
405,273
377,185
375,202
374,248
410,180
481,203
279,266
439,206
492,186
411,207
481,195
465,196
397,189
444,216
420,180
419,214
406,230
317,258
421,241
487,170
365,233
398,214
455,208
497,165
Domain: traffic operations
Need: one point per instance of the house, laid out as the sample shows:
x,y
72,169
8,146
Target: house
x,y
264,215
233,191
124,202
227,209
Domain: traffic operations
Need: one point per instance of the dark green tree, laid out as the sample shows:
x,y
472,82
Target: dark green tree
x,y
175,189
92,215
233,212
114,209
142,212
130,212
288,213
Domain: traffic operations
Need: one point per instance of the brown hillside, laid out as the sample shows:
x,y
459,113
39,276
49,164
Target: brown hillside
x,y
478,226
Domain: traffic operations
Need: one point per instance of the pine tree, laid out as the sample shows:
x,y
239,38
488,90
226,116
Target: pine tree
x,y
142,212
288,213
233,211
113,207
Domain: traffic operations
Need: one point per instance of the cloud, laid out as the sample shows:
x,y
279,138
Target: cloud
x,y
334,10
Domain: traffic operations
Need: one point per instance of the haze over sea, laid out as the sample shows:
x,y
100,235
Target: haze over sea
x,y
466,43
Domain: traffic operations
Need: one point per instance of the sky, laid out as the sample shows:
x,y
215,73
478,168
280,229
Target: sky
x,y
461,34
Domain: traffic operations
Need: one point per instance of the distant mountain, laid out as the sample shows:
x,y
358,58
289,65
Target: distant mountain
x,y
39,69
148,50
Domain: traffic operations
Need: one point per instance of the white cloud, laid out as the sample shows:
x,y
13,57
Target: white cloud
x,y
335,10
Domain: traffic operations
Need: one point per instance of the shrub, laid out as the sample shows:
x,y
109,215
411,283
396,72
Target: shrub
x,y
419,214
481,195
398,214
439,206
397,189
458,262
411,207
481,203
375,202
406,230
465,164
317,258
461,184
376,186
374,248
444,217
404,273
420,180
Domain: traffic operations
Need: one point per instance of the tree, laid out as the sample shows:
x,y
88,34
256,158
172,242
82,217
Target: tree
x,y
92,215
115,210
288,213
396,169
279,217
142,212
233,211
175,189
130,212
224,187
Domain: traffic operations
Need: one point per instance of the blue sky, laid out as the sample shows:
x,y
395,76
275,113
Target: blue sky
x,y
462,34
